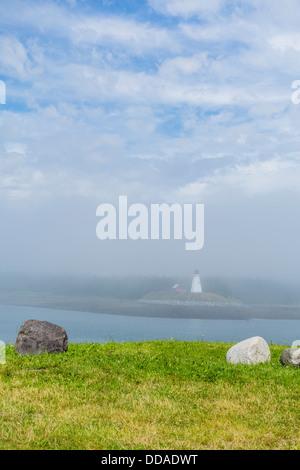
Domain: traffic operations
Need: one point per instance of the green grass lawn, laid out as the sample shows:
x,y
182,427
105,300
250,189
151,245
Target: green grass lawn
x,y
149,395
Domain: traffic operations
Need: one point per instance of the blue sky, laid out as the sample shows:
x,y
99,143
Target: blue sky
x,y
159,100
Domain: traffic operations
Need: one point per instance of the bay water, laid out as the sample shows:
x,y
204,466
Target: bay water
x,y
83,327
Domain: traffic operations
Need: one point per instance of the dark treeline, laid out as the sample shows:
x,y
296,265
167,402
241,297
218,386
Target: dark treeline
x,y
250,291
255,291
120,288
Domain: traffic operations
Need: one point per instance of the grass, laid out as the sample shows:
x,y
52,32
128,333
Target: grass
x,y
186,296
149,395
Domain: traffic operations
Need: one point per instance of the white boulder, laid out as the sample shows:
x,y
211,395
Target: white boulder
x,y
250,351
290,356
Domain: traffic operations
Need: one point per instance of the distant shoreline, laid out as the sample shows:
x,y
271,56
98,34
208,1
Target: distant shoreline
x,y
140,308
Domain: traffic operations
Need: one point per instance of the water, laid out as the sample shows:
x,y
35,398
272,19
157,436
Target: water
x,y
101,328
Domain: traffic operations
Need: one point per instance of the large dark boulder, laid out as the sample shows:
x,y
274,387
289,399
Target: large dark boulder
x,y
36,337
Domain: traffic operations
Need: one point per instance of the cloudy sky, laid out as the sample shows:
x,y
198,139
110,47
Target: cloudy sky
x,y
162,101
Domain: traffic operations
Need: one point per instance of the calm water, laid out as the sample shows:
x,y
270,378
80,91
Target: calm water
x,y
95,327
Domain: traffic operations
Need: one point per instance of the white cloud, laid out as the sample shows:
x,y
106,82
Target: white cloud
x,y
186,70
88,29
282,42
183,65
186,8
257,177
124,31
13,57
16,147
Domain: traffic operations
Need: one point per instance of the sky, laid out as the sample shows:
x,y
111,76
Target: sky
x,y
163,101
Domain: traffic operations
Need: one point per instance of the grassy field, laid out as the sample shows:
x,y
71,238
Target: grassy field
x,y
149,395
186,296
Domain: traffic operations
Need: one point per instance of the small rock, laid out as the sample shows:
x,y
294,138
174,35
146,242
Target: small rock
x,y
250,351
36,337
290,356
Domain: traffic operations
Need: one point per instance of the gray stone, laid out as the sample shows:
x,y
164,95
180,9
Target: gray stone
x,y
36,337
250,351
290,356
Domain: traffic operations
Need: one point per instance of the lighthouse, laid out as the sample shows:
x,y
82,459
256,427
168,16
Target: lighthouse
x,y
196,284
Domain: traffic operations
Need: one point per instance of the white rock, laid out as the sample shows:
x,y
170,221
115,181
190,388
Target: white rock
x,y
250,351
290,356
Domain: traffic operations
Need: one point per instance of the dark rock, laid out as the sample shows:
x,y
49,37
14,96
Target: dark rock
x,y
36,337
290,356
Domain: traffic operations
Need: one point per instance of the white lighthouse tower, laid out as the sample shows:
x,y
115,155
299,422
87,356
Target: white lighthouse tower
x,y
196,284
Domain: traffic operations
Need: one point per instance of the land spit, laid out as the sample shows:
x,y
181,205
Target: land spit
x,y
152,308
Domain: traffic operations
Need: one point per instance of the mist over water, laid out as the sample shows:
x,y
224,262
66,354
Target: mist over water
x,y
138,308
23,286
255,239
83,327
